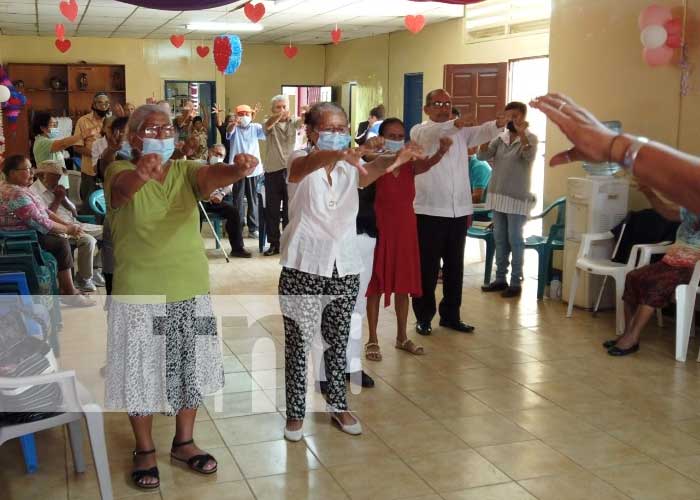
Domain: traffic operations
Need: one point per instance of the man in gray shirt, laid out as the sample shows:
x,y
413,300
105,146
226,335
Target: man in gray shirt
x,y
513,154
281,131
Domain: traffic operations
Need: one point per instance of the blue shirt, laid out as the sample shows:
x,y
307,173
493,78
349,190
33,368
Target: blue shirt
x,y
479,173
245,140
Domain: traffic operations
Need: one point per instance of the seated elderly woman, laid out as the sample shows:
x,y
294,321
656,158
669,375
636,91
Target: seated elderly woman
x,y
20,209
652,287
163,352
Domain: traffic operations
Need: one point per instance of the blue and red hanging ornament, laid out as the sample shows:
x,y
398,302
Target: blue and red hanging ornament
x,y
12,106
228,53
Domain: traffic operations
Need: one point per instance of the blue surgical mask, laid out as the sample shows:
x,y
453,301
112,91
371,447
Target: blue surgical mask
x,y
125,150
393,146
163,147
332,141
245,121
54,133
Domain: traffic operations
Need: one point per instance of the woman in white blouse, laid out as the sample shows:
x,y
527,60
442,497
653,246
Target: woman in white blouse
x,y
320,258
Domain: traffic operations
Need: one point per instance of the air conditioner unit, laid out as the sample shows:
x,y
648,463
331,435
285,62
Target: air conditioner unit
x,y
503,18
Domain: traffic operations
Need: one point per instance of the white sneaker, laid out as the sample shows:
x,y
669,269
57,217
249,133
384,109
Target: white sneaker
x,y
352,429
85,285
253,234
293,436
98,279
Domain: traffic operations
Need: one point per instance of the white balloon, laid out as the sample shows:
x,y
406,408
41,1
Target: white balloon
x,y
4,93
654,36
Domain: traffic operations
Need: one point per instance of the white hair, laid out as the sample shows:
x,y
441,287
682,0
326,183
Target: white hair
x,y
278,98
140,114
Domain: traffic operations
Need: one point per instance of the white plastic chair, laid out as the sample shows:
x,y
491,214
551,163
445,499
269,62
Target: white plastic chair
x,y
77,404
585,262
685,303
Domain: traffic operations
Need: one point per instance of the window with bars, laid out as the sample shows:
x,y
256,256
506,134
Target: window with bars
x,y
502,18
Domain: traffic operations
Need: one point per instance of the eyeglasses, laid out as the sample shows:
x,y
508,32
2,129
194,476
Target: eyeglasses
x,y
159,130
441,104
23,169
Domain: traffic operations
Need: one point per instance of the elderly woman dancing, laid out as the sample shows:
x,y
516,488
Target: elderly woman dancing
x,y
163,351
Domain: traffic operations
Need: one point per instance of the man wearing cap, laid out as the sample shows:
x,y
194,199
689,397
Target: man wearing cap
x,y
54,197
90,125
243,136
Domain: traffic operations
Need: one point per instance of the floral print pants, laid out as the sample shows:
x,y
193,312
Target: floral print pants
x,y
313,305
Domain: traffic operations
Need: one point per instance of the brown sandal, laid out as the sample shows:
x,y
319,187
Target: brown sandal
x,y
408,346
373,352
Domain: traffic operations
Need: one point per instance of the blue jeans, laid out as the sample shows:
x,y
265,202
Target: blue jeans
x,y
508,233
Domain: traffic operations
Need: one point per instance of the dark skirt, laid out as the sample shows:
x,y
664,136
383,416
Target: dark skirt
x,y
655,285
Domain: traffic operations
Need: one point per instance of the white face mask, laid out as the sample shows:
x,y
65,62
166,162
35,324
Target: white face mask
x,y
215,159
245,121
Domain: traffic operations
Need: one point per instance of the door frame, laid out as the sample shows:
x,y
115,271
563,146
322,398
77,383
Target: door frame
x,y
212,118
405,97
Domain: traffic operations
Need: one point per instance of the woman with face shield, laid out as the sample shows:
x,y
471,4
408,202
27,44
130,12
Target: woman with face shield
x,y
163,351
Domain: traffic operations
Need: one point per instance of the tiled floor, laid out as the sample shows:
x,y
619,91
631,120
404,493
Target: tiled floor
x,y
530,407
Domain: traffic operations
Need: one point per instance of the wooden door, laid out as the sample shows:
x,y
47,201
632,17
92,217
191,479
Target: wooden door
x,y
477,90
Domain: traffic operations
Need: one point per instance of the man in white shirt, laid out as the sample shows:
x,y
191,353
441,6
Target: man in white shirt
x,y
54,196
443,203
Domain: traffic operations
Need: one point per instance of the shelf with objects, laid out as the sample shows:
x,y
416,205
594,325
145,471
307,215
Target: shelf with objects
x,y
64,90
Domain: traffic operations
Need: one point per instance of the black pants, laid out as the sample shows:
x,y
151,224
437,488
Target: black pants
x,y
276,199
88,185
227,210
249,188
441,238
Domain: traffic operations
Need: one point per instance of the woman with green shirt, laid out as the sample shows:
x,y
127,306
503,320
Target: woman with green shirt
x,y
47,145
163,351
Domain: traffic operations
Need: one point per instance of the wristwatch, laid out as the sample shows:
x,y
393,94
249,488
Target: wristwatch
x,y
632,151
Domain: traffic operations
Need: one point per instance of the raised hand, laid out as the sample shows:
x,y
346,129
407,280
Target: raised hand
x,y
591,139
372,145
245,163
354,157
118,110
257,108
216,109
149,167
520,128
411,151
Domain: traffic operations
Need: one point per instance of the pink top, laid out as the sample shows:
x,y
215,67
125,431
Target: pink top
x,y
20,210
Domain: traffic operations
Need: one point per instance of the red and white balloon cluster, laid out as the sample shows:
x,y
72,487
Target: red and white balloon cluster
x,y
661,34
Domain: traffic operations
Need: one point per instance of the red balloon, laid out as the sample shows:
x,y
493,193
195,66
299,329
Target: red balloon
x,y
674,41
674,26
658,57
222,52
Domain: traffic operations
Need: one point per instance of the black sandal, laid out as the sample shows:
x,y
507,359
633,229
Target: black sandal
x,y
137,476
197,462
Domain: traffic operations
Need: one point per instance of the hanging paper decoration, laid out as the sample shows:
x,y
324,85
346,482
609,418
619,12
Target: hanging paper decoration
x,y
254,12
228,53
202,51
177,40
660,34
336,35
414,24
63,45
69,9
60,32
12,107
290,51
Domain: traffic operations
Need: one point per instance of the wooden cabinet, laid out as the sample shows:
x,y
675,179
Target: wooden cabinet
x,y
62,89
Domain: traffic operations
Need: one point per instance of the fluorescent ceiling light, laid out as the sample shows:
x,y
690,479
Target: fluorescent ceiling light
x,y
225,27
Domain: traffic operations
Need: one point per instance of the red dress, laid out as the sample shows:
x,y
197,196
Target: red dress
x,y
396,257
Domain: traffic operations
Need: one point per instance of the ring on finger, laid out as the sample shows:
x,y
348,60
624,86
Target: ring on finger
x,y
562,106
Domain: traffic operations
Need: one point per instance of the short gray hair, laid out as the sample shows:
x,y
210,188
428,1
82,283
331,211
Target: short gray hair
x,y
141,113
278,98
215,146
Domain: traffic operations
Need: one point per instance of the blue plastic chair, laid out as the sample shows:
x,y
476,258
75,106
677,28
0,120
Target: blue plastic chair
x,y
97,203
27,442
546,245
485,234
